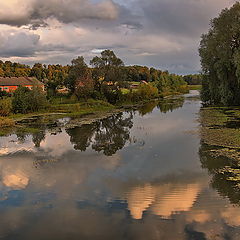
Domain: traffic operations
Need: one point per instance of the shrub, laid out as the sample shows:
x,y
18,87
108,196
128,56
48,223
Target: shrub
x,y
144,92
5,107
26,100
4,94
97,95
6,122
147,91
37,100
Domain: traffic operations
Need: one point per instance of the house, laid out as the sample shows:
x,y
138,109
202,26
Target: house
x,y
135,85
10,84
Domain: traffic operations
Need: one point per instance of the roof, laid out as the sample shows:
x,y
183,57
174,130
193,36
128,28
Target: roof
x,y
19,81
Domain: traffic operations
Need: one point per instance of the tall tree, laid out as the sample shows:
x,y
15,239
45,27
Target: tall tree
x,y
79,80
220,58
108,68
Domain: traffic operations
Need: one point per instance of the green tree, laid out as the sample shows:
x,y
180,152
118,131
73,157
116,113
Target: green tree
x,y
38,71
108,68
84,86
220,58
77,71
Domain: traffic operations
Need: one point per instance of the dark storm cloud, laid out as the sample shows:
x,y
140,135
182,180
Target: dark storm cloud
x,y
28,45
35,12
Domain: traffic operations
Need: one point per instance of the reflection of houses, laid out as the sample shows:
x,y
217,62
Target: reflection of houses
x,y
163,200
10,84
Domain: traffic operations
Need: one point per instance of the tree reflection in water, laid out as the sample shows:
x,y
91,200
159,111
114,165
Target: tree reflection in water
x,y
147,108
220,177
166,105
107,135
170,104
81,137
38,137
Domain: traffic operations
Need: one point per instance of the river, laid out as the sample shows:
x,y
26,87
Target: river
x,y
139,174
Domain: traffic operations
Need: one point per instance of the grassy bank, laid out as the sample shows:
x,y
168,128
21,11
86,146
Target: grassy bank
x,y
28,123
67,109
60,107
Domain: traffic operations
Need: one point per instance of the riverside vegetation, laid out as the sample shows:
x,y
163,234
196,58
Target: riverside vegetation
x,y
79,89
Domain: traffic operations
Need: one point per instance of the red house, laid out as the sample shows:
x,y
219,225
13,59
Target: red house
x,y
10,84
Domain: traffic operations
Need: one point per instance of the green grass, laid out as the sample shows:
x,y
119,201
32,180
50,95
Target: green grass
x,y
125,91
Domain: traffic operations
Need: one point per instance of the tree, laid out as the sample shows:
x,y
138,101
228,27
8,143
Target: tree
x,y
220,58
108,68
193,79
38,71
77,72
55,77
84,86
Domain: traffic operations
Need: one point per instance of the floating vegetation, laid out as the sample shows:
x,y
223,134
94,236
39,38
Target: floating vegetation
x,y
220,150
220,127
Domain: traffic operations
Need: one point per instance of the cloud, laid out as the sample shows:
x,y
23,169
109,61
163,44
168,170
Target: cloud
x,y
35,12
18,44
185,17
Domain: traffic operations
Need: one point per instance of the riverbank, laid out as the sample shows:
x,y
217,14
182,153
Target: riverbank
x,y
66,107
78,114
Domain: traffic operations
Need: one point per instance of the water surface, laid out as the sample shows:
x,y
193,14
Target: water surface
x,y
138,175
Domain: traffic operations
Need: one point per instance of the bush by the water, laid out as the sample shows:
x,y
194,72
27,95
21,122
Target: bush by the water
x,y
147,91
5,107
144,92
26,100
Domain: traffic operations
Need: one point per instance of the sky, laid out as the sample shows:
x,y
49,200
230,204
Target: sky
x,y
164,34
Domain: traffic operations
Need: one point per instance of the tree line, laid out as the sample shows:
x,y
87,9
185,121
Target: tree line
x,y
193,79
106,68
105,78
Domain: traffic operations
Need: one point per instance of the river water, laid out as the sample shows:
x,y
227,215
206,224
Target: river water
x,y
138,175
